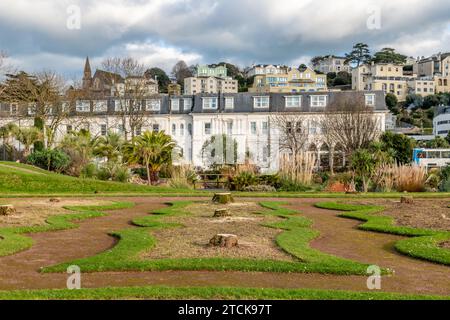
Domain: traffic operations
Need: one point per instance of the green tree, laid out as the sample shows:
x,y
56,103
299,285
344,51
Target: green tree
x,y
414,99
161,76
7,132
392,102
27,137
431,101
79,145
153,150
359,55
437,143
388,55
402,146
343,78
109,147
363,164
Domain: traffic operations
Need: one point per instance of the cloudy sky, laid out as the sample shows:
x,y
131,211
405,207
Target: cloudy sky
x,y
48,34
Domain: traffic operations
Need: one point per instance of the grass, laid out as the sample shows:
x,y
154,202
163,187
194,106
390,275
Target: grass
x,y
160,293
294,240
422,243
13,239
18,180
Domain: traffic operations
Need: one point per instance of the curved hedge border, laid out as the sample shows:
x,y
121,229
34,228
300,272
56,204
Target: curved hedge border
x,y
422,243
216,293
294,240
13,239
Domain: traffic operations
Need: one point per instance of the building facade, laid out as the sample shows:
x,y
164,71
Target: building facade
x,y
263,69
193,119
294,80
332,64
219,71
435,68
196,85
441,123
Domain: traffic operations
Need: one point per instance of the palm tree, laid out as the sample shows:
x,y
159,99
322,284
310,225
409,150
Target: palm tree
x,y
28,137
7,132
79,145
109,147
152,150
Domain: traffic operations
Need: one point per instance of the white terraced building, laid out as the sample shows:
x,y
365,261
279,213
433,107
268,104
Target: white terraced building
x,y
192,120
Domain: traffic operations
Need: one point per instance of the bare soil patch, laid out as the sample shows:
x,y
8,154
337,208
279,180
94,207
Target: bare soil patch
x,y
34,212
424,213
192,240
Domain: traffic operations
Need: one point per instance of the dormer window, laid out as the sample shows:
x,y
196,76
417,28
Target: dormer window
x,y
210,103
175,104
319,101
153,105
187,104
261,102
83,106
293,101
229,103
101,106
370,100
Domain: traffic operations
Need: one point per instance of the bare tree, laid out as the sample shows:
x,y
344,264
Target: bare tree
x,y
181,71
40,95
350,123
126,77
293,131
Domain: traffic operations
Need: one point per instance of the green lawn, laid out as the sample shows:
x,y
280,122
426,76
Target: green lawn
x,y
294,240
422,243
20,180
166,293
14,240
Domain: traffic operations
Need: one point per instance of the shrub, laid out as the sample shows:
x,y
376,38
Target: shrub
x,y
272,180
260,188
52,160
288,185
445,186
182,177
104,174
122,174
242,180
402,178
89,171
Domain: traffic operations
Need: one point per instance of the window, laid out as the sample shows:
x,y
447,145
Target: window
x,y
261,102
210,103
187,104
229,103
190,129
253,127
319,101
103,130
155,127
208,128
120,105
174,129
265,153
293,101
13,108
370,99
121,129
230,127
153,105
83,106
182,129
175,103
65,107
69,128
265,127
101,106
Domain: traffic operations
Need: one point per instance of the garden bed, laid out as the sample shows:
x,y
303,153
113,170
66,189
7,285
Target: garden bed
x,y
192,240
424,214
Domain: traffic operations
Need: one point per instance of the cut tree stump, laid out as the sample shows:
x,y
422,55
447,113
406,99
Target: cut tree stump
x,y
6,210
219,213
407,200
54,200
223,198
224,240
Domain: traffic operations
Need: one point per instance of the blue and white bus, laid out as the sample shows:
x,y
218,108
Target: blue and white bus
x,y
432,158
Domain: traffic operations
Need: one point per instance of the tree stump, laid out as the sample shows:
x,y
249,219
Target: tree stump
x,y
219,213
6,210
223,198
407,200
224,241
54,200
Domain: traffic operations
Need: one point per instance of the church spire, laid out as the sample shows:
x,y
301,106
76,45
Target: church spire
x,y
87,76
